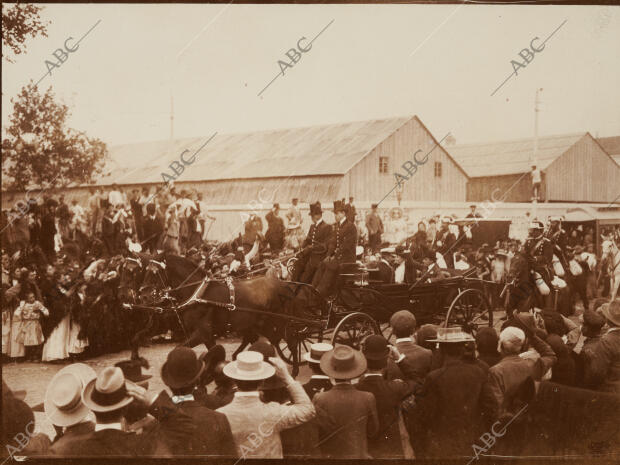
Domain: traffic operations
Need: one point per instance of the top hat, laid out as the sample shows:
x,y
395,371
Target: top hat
x,y
452,335
249,366
132,370
338,206
182,368
612,311
316,352
343,362
63,397
375,347
107,392
315,209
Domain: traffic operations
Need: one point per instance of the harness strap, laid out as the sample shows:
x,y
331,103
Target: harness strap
x,y
231,289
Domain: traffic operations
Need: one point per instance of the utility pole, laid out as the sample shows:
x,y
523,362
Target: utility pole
x,y
535,154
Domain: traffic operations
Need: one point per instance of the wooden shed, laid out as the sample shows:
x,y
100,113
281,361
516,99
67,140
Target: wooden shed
x,y
575,168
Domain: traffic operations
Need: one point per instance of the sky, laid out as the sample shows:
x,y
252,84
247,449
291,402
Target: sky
x,y
440,62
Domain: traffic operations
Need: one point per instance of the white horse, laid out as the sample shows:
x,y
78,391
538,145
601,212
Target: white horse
x,y
611,252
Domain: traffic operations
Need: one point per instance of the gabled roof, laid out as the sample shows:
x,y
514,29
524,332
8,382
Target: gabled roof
x,y
611,145
512,156
318,150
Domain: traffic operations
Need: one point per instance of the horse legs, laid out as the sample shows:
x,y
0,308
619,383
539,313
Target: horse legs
x,y
249,337
139,337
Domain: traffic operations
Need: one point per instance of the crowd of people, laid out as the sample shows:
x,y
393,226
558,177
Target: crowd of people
x,y
541,388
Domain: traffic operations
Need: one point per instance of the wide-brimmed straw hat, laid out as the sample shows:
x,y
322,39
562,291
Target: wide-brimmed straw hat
x,y
63,397
612,311
343,362
316,352
452,335
107,392
182,368
249,366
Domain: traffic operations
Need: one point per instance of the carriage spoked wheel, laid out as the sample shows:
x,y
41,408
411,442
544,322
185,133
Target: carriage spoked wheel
x,y
296,342
470,310
353,329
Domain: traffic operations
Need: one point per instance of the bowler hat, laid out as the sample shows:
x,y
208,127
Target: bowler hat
x,y
403,321
107,392
63,397
182,368
612,311
375,347
316,351
343,362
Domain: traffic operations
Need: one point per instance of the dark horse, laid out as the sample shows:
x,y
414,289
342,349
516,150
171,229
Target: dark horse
x,y
524,293
169,281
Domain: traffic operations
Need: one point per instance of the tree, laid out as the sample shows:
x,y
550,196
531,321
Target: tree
x,y
39,150
19,22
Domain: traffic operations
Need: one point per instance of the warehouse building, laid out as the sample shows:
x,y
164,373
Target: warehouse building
x,y
575,168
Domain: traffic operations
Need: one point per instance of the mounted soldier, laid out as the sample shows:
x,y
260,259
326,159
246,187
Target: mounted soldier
x,y
314,247
340,251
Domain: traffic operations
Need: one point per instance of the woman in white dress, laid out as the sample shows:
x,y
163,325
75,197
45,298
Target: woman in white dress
x,y
55,347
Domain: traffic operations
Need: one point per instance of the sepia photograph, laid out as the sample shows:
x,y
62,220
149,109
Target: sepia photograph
x,y
310,232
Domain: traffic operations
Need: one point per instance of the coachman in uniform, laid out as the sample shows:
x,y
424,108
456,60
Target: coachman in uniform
x,y
314,247
340,250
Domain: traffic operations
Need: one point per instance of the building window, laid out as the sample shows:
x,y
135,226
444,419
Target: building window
x,y
383,164
437,169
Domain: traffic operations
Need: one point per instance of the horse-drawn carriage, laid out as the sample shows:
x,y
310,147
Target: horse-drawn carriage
x,y
294,315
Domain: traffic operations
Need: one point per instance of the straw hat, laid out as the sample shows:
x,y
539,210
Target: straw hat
x,y
452,335
612,311
249,366
63,397
316,352
107,392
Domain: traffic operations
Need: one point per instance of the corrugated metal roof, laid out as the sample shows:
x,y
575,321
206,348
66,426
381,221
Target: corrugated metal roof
x,y
512,156
611,145
317,150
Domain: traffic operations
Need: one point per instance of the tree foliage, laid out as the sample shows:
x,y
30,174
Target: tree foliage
x,y
40,150
20,21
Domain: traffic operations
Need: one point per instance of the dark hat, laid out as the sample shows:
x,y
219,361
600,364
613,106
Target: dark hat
x,y
276,205
132,369
315,209
211,359
374,205
375,347
593,322
182,368
343,362
425,333
403,321
338,206
265,348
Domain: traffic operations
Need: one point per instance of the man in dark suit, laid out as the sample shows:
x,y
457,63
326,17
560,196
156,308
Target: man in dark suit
x,y
418,358
319,381
448,414
346,417
340,250
387,443
275,229
444,241
375,229
314,247
210,433
153,228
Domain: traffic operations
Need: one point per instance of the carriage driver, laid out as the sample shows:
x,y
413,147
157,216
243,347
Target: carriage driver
x,y
340,250
540,251
314,247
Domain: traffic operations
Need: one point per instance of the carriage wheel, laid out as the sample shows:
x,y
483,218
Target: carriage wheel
x,y
387,332
353,329
470,310
295,343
